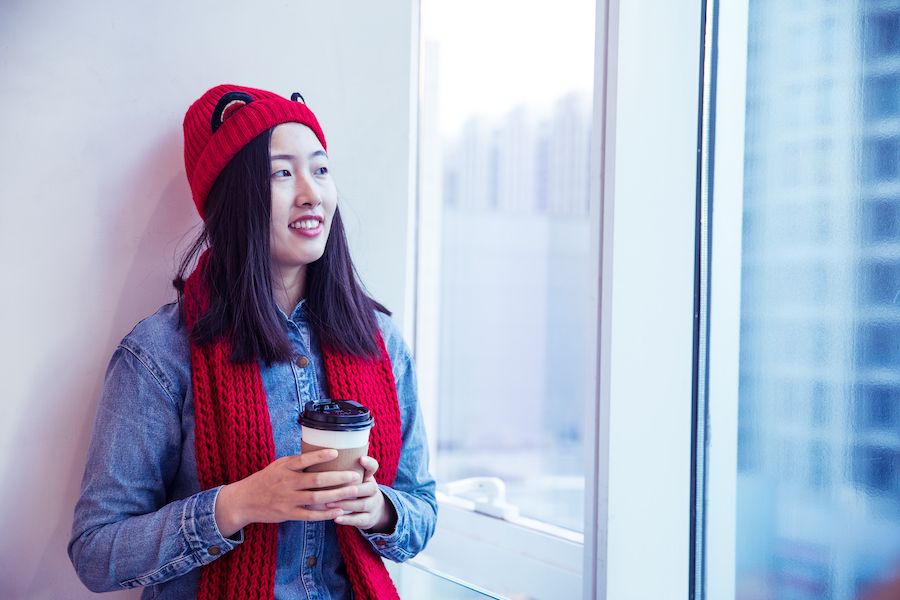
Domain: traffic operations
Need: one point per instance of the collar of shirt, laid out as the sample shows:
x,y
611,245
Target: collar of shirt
x,y
298,314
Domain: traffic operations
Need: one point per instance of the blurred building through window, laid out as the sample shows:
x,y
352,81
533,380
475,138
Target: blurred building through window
x,y
506,127
818,513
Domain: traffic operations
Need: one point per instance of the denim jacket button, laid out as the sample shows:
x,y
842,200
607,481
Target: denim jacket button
x,y
311,561
214,550
302,362
381,542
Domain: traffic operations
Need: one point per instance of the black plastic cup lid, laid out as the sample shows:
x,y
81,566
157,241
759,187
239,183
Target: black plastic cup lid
x,y
336,415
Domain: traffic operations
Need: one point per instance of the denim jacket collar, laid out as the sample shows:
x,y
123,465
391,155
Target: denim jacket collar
x,y
298,314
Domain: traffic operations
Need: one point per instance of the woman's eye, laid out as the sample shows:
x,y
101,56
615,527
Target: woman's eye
x,y
321,170
281,173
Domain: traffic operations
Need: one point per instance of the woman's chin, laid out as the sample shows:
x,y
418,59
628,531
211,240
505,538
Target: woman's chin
x,y
304,260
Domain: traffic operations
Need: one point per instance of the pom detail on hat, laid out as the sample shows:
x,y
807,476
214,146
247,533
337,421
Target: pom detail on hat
x,y
223,120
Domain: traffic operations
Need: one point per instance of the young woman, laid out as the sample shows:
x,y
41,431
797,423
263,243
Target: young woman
x,y
195,485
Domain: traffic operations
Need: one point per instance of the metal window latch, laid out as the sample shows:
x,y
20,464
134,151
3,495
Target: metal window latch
x,y
487,494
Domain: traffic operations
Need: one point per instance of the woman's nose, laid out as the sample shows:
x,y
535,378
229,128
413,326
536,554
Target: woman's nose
x,y
305,192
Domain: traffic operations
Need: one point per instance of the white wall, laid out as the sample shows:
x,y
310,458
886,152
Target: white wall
x,y
96,204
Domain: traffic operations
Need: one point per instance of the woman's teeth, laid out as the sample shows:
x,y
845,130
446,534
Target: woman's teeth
x,y
305,224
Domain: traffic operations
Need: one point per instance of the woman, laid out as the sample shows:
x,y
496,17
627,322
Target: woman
x,y
195,484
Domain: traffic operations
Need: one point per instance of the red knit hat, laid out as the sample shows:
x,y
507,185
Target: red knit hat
x,y
224,120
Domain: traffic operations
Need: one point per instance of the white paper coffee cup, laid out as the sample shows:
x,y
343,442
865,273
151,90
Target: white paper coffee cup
x,y
342,425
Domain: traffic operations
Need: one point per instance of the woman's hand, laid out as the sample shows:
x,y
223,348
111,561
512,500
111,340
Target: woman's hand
x,y
369,510
282,492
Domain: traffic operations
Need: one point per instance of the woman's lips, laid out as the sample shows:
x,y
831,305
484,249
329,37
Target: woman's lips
x,y
306,219
307,232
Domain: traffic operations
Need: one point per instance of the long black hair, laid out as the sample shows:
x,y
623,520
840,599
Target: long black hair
x,y
238,273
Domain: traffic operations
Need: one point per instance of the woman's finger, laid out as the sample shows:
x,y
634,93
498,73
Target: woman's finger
x,y
360,491
362,520
301,513
367,489
370,465
326,479
361,502
308,459
350,506
348,492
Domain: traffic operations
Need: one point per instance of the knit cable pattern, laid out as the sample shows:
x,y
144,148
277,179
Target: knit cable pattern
x,y
233,439
370,382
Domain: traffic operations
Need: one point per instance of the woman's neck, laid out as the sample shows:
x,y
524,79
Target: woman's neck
x,y
288,288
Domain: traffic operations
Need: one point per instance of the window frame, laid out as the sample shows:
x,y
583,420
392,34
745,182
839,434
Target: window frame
x,y
646,112
650,107
725,304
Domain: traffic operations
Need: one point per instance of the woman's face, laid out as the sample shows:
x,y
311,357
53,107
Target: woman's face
x,y
304,197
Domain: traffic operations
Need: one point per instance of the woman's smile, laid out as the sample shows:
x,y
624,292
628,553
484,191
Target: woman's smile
x,y
307,226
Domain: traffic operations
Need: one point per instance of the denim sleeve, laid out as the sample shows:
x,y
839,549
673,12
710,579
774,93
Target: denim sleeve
x,y
126,533
412,493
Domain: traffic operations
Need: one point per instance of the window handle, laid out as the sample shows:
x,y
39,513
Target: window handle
x,y
487,494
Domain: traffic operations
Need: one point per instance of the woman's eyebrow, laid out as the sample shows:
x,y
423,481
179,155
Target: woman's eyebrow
x,y
293,157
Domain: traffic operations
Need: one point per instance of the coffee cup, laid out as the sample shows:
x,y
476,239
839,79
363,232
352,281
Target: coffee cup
x,y
342,425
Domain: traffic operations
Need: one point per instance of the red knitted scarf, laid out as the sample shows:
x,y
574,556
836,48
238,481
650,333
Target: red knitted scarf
x,y
233,439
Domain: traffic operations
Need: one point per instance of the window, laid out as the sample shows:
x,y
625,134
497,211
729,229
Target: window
x,y
877,344
810,509
512,270
883,97
882,34
877,408
796,370
612,189
505,288
881,220
880,283
876,469
881,160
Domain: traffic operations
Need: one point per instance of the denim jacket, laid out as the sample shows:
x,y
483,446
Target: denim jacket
x,y
142,519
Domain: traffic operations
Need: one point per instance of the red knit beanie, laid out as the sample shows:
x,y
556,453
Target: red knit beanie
x,y
224,120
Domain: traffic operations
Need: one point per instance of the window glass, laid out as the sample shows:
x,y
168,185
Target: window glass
x,y
504,238
818,487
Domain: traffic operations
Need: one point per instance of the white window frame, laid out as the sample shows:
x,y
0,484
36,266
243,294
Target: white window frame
x,y
639,532
725,304
638,435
